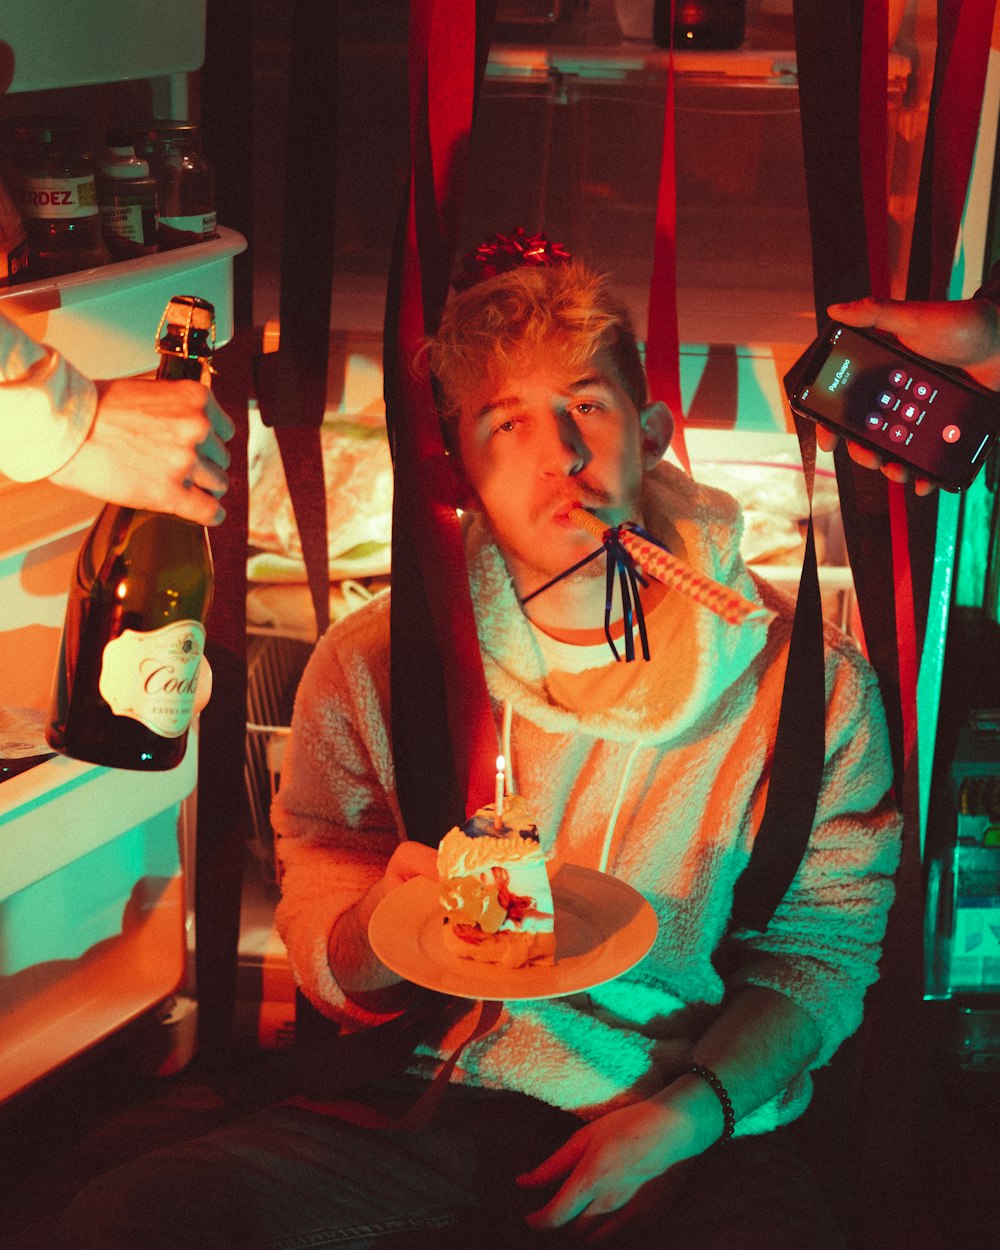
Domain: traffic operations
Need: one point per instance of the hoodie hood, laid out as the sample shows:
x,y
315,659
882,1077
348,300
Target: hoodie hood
x,y
703,527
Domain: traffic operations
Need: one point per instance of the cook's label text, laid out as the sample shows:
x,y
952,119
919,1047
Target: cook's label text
x,y
152,676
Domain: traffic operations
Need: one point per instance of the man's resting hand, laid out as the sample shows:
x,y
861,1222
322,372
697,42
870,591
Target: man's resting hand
x,y
614,1169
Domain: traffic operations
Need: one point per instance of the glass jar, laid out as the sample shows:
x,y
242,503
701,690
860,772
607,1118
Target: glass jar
x,y
185,185
126,195
13,242
52,179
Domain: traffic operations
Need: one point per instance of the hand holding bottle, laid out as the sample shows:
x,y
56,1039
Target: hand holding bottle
x,y
129,677
155,445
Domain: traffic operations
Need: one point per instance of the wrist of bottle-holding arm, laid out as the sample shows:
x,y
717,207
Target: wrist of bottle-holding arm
x,y
52,409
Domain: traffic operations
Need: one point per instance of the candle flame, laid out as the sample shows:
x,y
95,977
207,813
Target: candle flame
x,y
498,796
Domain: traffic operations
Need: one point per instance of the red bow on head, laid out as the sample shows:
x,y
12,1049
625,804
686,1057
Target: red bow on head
x,y
501,253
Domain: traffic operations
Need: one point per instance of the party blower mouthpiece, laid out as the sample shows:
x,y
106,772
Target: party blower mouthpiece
x,y
659,564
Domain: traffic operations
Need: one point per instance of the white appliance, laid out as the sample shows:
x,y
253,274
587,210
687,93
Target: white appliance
x,y
93,908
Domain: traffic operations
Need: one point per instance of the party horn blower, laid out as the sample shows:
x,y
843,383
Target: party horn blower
x,y
669,571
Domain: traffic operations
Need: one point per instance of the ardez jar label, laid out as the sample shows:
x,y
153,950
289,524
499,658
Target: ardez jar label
x,y
153,676
59,198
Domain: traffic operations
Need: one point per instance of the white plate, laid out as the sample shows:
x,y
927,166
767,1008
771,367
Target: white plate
x,y
603,927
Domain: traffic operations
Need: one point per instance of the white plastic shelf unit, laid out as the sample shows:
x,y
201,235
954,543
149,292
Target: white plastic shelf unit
x,y
92,893
92,911
92,898
104,320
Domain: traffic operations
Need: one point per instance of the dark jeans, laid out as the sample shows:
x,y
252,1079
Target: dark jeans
x,y
288,1178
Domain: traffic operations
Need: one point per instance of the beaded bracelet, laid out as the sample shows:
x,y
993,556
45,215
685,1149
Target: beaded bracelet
x,y
720,1091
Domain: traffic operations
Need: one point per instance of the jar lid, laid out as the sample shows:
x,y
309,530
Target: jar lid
x,y
164,130
120,161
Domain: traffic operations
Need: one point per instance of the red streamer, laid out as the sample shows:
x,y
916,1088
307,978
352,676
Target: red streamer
x,y
873,141
964,30
906,638
442,85
663,332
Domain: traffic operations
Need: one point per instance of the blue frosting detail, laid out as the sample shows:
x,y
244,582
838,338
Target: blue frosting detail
x,y
481,826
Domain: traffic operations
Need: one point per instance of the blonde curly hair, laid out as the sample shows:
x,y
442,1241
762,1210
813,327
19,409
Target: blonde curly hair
x,y
567,309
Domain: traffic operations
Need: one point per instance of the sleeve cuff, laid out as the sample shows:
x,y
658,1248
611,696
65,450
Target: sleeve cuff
x,y
46,416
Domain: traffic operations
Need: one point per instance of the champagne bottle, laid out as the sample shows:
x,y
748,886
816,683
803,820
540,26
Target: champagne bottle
x,y
134,633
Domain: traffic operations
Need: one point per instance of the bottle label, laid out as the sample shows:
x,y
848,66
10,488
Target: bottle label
x,y
129,230
152,676
195,227
13,244
59,197
13,264
128,221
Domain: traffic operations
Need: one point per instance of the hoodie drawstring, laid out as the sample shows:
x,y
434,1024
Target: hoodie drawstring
x,y
508,712
602,865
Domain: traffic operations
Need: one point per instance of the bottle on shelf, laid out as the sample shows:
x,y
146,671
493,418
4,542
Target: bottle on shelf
x,y
185,184
53,184
126,196
13,242
125,686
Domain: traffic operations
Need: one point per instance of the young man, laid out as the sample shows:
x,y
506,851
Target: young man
x,y
650,771
573,1117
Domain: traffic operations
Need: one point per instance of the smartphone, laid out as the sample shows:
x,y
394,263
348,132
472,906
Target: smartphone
x,y
875,392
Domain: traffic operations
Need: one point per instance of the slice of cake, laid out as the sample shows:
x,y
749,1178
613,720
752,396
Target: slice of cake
x,y
495,889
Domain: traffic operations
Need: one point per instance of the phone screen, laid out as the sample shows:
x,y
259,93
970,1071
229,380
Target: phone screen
x,y
897,403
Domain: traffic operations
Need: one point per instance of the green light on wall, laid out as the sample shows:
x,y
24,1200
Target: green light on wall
x,y
974,544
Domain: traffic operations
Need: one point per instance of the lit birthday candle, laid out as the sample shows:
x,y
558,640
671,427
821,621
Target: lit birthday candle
x,y
498,798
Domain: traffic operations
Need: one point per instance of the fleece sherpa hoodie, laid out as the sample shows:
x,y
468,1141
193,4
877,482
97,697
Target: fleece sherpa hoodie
x,y
669,784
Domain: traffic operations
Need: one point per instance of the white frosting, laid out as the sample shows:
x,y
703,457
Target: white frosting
x,y
461,857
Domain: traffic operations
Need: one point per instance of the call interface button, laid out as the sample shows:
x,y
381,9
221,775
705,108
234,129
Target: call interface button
x,y
951,433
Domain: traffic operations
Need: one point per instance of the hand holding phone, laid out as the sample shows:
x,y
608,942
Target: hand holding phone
x,y
827,440
903,407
